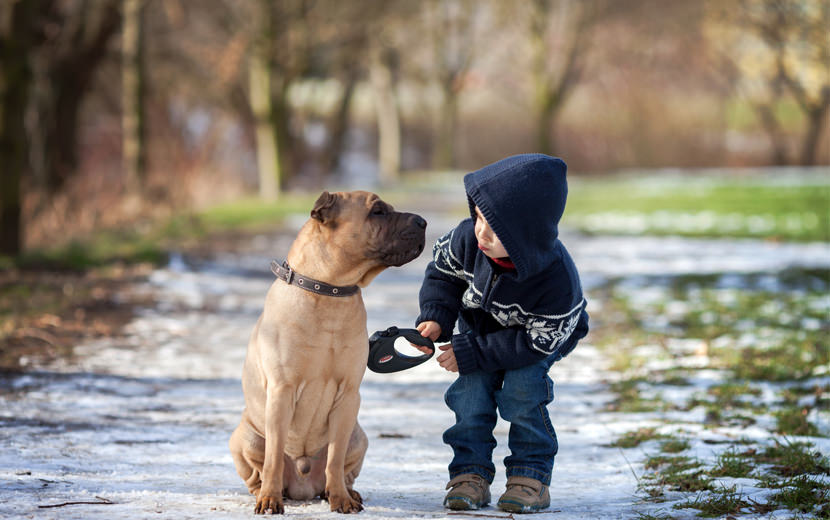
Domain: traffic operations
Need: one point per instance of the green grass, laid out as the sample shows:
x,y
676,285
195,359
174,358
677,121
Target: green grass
x,y
676,473
630,399
793,421
702,204
794,469
789,459
733,463
804,494
755,356
103,248
634,438
253,213
674,445
717,503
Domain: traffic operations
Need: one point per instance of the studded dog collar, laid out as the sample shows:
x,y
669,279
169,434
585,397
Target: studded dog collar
x,y
291,277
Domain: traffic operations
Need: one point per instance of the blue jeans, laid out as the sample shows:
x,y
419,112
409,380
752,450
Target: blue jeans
x,y
521,397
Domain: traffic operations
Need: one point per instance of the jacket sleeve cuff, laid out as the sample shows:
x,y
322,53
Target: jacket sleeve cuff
x,y
463,347
443,317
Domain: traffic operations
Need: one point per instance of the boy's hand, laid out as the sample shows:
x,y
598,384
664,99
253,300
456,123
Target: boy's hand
x,y
429,329
447,359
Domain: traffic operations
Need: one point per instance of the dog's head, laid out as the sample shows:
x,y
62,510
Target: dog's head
x,y
361,222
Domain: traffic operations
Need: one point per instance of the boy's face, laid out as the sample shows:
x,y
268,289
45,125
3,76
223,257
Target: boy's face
x,y
488,242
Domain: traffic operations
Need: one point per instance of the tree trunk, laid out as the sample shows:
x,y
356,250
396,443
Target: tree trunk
x,y
67,84
544,124
133,78
445,157
290,150
267,151
340,124
15,81
773,129
816,123
386,106
552,83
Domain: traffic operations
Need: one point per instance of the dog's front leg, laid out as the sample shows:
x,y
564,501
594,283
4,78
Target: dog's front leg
x,y
342,421
279,409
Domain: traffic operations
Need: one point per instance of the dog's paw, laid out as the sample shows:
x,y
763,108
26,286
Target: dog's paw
x,y
347,504
267,504
355,496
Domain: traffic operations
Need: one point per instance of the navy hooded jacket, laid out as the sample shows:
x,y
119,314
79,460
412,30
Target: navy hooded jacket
x,y
508,319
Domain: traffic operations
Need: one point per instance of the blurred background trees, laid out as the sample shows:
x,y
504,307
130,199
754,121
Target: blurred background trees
x,y
111,110
779,53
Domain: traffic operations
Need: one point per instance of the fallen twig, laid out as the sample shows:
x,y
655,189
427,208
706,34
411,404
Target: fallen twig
x,y
102,502
479,515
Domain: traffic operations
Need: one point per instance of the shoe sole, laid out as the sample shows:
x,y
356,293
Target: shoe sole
x,y
462,504
516,507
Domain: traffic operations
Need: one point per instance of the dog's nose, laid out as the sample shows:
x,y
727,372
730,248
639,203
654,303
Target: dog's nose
x,y
418,221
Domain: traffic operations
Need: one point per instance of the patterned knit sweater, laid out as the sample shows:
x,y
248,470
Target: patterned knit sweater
x,y
508,318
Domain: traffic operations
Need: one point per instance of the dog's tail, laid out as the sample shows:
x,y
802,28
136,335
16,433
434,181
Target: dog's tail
x,y
303,465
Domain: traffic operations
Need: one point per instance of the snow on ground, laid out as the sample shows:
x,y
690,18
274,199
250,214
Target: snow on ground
x,y
137,426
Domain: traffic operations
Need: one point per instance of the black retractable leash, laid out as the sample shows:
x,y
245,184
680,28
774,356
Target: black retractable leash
x,y
383,358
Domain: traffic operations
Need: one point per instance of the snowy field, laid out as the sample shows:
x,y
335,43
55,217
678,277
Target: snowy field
x,y
137,426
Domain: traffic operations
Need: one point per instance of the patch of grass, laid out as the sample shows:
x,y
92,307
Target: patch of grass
x,y
620,359
703,205
732,463
790,459
792,361
821,394
729,394
630,399
725,404
717,503
742,332
717,416
255,213
634,438
793,421
675,377
677,474
105,247
804,494
674,445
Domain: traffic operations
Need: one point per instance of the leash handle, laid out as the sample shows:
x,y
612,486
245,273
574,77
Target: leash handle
x,y
384,359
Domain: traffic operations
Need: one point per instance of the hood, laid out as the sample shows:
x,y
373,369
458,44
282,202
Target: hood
x,y
522,197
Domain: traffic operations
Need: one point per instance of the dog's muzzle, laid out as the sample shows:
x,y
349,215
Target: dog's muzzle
x,y
409,243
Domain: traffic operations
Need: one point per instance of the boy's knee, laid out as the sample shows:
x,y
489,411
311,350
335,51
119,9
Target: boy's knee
x,y
471,392
523,393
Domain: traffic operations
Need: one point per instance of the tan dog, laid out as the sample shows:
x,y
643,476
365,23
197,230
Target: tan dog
x,y
299,435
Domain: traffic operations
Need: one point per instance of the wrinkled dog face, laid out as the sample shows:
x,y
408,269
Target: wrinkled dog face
x,y
371,226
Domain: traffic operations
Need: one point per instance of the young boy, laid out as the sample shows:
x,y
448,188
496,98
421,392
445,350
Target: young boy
x,y
512,286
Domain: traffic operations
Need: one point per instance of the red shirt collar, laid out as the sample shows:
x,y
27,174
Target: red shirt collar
x,y
504,262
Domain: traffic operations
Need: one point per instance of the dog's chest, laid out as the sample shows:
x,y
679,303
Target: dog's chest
x,y
313,404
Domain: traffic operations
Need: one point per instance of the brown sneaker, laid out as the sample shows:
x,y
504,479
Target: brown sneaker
x,y
467,491
524,495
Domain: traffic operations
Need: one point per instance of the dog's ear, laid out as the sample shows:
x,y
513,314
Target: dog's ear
x,y
325,208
